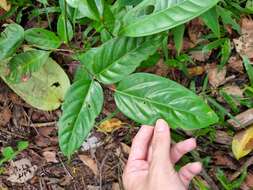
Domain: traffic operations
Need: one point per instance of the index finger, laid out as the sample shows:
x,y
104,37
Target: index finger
x,y
141,142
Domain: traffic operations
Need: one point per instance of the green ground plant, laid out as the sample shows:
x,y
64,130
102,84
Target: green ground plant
x,y
118,37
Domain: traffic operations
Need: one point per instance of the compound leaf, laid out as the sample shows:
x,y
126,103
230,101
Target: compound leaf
x,y
10,40
146,97
42,38
152,16
119,57
82,105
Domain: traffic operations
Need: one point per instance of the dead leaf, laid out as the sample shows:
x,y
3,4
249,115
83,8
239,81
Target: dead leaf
x,y
216,77
221,159
90,163
223,138
242,143
245,119
249,180
236,64
233,90
91,143
200,55
50,156
125,148
5,116
5,5
196,71
21,171
92,187
110,125
244,44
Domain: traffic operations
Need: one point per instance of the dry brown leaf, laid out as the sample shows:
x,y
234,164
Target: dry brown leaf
x,y
236,64
249,180
125,148
221,159
5,116
245,119
92,187
216,77
233,90
4,5
110,125
242,143
90,163
223,138
196,71
244,44
21,171
200,55
50,156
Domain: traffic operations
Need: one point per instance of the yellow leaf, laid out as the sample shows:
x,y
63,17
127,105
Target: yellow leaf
x,y
110,125
5,5
243,143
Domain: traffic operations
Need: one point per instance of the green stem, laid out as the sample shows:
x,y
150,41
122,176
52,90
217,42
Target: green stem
x,y
48,18
66,21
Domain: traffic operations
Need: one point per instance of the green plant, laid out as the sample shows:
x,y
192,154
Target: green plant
x,y
126,34
9,154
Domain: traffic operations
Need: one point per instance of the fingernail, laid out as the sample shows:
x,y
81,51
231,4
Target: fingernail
x,y
161,125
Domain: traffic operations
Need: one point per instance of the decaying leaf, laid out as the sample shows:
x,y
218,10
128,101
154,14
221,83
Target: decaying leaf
x,y
216,76
45,89
90,163
242,143
233,90
242,120
196,71
244,44
50,156
21,171
200,55
110,125
236,64
4,5
91,143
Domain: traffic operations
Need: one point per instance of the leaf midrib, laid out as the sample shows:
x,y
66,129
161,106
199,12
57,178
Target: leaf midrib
x,y
79,112
154,102
121,57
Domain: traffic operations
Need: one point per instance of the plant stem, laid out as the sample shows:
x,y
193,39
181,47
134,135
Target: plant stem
x,y
66,21
48,18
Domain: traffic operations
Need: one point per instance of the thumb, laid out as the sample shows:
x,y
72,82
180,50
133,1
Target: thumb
x,y
161,144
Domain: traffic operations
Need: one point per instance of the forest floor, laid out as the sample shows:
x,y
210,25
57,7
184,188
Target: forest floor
x,y
100,162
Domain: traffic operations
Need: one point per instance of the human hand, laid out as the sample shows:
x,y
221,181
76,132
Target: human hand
x,y
151,161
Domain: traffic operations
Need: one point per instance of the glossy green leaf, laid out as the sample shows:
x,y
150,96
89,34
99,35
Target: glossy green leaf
x,y
82,105
45,89
24,64
225,52
151,16
119,57
64,29
211,19
249,69
10,40
178,36
146,97
42,38
129,2
82,9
